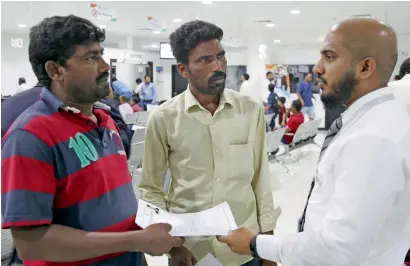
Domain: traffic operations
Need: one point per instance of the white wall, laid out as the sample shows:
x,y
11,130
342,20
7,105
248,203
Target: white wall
x,y
14,64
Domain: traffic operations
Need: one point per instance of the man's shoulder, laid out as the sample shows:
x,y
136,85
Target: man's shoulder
x,y
169,108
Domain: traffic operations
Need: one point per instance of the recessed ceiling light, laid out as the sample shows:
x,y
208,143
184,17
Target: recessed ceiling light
x,y
22,25
176,20
276,41
102,26
206,2
156,32
295,11
270,25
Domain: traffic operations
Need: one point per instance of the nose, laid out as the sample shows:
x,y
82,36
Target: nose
x,y
104,66
318,68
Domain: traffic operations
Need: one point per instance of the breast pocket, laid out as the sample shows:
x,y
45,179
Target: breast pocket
x,y
241,162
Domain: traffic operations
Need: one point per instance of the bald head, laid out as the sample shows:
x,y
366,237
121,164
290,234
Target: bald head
x,y
364,37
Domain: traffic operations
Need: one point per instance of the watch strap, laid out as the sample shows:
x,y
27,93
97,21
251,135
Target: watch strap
x,y
253,249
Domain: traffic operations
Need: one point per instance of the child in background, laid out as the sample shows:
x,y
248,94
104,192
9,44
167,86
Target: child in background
x,y
296,119
282,111
135,106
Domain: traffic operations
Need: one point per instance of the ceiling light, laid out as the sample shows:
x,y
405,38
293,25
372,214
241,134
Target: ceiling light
x,y
295,11
156,32
154,45
22,25
276,41
102,26
206,2
270,25
176,20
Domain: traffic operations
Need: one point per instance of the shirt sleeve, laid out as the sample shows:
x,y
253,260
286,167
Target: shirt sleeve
x,y
300,88
154,93
28,181
155,162
263,182
362,200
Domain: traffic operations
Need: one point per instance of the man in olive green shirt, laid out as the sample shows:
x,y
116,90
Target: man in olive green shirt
x,y
213,142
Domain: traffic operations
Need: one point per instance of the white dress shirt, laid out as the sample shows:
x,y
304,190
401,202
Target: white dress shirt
x,y
22,87
401,89
359,210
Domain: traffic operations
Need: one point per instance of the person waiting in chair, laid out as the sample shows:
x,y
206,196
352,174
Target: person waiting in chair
x,y
134,104
125,107
296,119
282,111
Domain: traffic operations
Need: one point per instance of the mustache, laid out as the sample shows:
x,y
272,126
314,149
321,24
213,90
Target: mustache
x,y
217,75
321,79
103,76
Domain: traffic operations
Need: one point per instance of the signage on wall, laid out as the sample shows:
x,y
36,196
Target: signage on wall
x,y
159,69
98,12
16,42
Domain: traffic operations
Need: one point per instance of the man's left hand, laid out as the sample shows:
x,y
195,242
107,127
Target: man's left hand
x,y
182,257
238,240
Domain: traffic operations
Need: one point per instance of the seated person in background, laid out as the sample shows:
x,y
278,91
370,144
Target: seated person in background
x,y
125,107
272,106
120,88
134,105
282,111
296,119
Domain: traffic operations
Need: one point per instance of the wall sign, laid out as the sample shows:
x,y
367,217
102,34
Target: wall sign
x,y
16,42
98,12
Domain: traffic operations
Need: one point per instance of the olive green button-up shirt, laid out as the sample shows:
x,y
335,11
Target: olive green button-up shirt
x,y
212,159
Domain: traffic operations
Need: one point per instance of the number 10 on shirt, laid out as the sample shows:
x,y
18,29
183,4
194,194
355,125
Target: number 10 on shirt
x,y
84,149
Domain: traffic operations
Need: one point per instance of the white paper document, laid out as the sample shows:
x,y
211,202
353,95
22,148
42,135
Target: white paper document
x,y
218,220
209,260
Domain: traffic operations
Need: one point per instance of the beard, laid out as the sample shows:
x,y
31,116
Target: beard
x,y
215,85
341,91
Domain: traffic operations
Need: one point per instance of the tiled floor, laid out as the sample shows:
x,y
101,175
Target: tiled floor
x,y
291,196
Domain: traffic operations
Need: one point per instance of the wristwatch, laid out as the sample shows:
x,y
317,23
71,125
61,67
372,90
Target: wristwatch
x,y
253,249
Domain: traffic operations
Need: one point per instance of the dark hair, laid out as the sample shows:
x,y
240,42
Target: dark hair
x,y
405,68
147,76
271,87
190,35
307,74
267,73
282,100
161,102
55,38
124,98
246,76
397,77
297,104
138,80
22,80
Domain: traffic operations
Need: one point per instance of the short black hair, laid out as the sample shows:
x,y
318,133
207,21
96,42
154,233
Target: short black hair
x,y
405,68
282,100
271,87
267,73
190,35
55,38
22,80
138,80
297,104
246,76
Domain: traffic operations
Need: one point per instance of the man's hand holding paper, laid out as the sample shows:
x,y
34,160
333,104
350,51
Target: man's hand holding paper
x,y
218,220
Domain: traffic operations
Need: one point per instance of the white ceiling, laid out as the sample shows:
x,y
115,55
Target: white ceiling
x,y
235,18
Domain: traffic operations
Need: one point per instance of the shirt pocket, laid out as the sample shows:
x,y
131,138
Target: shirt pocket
x,y
241,163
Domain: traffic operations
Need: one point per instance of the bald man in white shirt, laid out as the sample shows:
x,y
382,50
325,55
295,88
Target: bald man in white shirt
x,y
357,212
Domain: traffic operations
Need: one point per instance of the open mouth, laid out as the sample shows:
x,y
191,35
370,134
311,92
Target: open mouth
x,y
218,81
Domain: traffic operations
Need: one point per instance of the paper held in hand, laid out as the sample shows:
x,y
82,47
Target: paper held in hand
x,y
216,221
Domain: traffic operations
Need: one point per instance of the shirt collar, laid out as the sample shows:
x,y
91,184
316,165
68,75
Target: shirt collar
x,y
355,107
191,101
50,99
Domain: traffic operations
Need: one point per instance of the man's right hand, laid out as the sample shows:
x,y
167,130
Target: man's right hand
x,y
158,241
